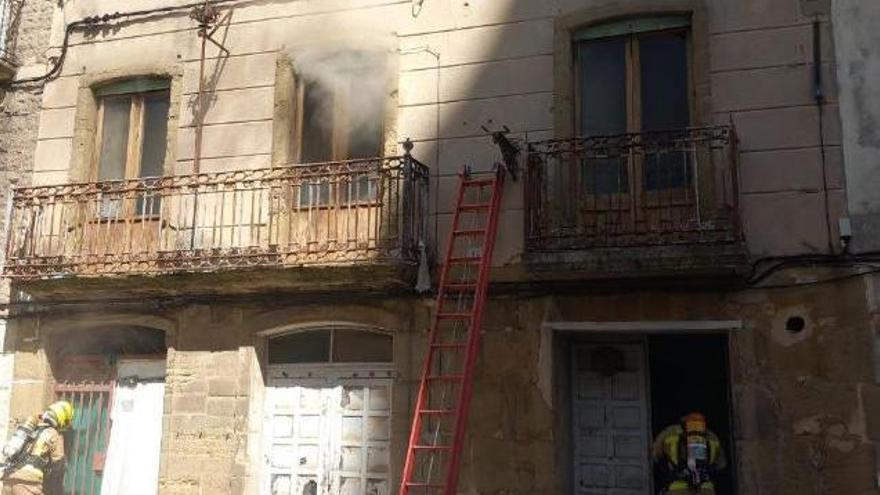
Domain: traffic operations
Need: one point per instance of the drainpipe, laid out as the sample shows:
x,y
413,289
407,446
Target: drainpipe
x,y
819,98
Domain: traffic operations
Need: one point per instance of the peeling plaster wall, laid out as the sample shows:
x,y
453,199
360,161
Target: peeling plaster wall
x,y
856,39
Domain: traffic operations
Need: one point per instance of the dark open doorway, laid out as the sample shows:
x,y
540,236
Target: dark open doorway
x,y
690,373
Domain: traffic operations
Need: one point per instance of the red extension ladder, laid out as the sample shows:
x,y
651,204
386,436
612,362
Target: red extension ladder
x,y
440,416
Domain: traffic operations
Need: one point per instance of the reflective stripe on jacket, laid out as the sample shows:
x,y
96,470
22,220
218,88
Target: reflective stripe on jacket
x,y
668,448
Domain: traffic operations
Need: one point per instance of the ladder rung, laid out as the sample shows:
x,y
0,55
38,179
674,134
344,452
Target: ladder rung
x,y
437,412
447,345
466,259
474,206
416,484
432,447
478,182
454,316
446,378
468,232
459,287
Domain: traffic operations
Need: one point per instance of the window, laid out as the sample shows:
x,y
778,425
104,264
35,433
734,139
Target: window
x,y
350,188
132,137
330,345
339,115
633,76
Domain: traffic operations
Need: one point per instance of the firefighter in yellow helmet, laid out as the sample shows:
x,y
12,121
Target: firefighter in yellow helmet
x,y
690,455
36,450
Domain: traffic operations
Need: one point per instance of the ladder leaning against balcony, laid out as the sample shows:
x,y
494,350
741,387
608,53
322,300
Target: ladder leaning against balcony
x,y
440,416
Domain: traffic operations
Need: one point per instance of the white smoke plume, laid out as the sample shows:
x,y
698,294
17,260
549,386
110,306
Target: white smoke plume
x,y
361,69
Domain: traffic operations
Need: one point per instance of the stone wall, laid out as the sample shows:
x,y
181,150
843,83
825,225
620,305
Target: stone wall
x,y
19,123
802,402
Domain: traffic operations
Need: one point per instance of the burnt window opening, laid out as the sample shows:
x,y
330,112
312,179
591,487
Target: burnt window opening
x,y
339,114
106,341
330,345
339,106
131,139
634,76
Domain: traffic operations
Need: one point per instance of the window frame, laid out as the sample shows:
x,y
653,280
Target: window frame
x,y
137,91
134,144
633,78
636,196
342,94
329,362
336,194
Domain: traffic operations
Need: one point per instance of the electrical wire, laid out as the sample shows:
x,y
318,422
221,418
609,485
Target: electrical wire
x,y
417,6
101,20
782,263
873,269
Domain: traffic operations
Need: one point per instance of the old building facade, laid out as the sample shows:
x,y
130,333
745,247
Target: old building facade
x,y
230,216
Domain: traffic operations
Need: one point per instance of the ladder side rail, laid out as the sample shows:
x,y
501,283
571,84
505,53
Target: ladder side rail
x,y
409,463
472,351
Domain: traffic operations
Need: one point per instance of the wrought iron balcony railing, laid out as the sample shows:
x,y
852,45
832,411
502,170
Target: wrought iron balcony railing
x,y
643,189
339,213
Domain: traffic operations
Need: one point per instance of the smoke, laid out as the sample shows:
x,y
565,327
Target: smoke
x,y
347,84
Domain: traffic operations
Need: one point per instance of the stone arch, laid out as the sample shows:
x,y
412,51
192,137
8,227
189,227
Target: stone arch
x,y
102,339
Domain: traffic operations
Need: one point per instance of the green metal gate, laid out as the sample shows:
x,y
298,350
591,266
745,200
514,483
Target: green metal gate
x,y
86,443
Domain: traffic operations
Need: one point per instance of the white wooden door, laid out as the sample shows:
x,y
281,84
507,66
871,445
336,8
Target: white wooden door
x,y
132,464
610,420
327,437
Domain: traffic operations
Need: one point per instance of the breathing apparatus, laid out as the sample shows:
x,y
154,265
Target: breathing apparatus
x,y
17,450
696,449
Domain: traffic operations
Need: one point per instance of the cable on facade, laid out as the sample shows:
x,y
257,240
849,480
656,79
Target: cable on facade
x,y
783,263
819,98
836,278
100,20
417,6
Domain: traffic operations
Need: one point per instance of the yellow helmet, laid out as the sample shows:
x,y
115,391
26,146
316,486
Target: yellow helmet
x,y
61,413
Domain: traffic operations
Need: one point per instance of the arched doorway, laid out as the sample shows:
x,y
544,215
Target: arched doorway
x,y
327,412
115,378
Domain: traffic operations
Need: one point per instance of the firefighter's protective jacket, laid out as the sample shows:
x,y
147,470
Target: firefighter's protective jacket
x,y
668,450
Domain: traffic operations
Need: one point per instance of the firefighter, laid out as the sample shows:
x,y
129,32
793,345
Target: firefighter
x,y
690,456
41,453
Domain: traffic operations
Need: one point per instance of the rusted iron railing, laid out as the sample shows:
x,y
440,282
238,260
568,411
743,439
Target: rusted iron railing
x,y
337,213
641,189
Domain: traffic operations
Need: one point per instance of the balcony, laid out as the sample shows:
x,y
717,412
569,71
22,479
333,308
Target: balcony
x,y
644,203
339,214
